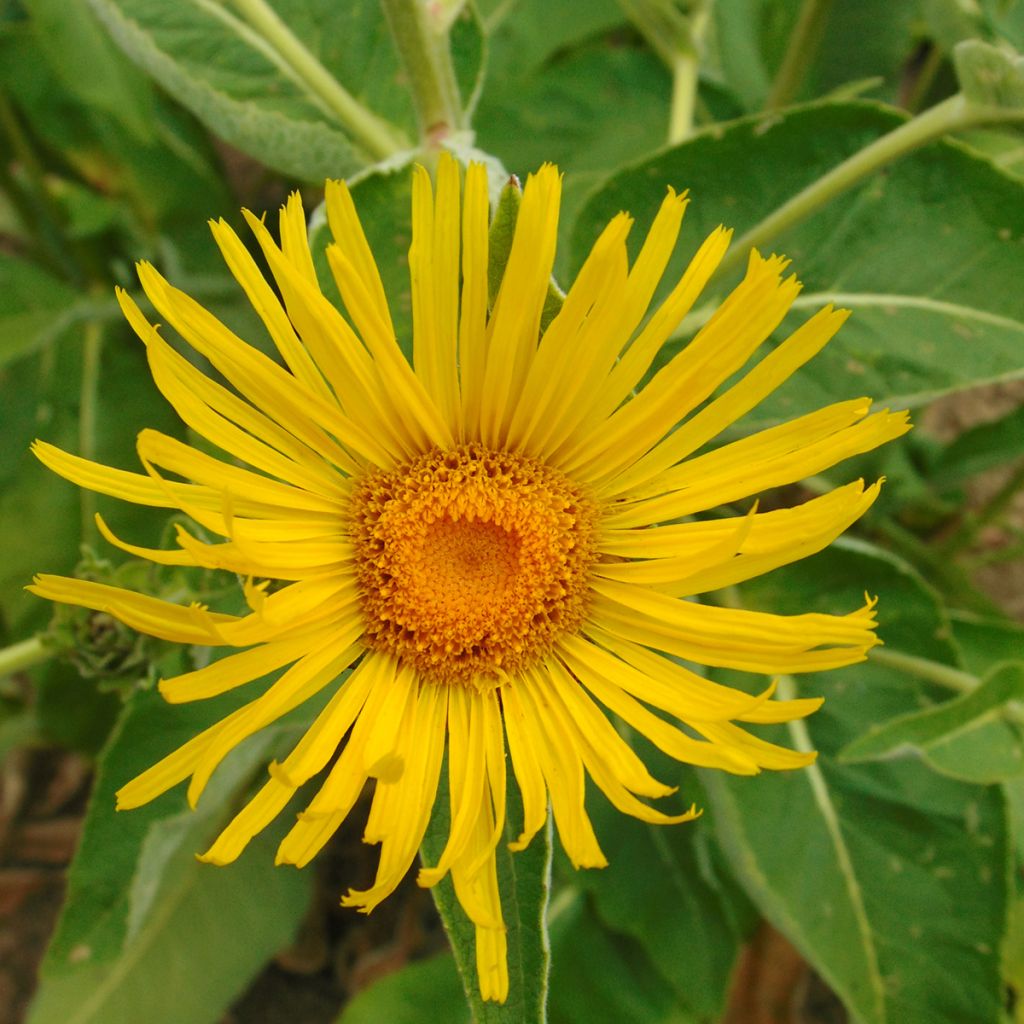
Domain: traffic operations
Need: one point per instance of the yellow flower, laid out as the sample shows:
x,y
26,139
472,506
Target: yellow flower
x,y
475,538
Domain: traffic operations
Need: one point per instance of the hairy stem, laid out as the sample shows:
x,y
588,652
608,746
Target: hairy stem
x,y
423,45
378,137
954,114
924,668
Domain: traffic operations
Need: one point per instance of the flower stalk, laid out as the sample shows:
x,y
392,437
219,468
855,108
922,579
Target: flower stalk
x,y
22,655
957,113
378,137
423,45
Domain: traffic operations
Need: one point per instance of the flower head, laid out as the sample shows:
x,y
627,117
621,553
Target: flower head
x,y
489,548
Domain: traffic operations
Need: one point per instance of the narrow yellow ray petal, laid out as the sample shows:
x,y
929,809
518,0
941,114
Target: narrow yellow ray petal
x,y
264,300
473,312
607,778
174,768
178,457
525,767
121,483
801,346
609,329
305,678
308,474
419,415
771,458
669,575
737,328
187,625
593,729
321,740
295,240
339,354
157,555
562,764
467,767
667,737
445,274
514,327
543,402
637,359
237,669
301,411
332,597
477,889
749,564
795,644
767,755
768,530
238,411
414,795
257,814
347,231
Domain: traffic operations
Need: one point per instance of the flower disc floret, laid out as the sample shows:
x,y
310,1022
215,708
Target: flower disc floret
x,y
471,562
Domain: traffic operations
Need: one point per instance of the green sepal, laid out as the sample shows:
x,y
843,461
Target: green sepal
x,y
499,245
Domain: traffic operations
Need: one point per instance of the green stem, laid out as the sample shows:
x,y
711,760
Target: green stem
x,y
378,137
423,45
951,115
924,668
23,655
800,50
92,346
685,71
677,38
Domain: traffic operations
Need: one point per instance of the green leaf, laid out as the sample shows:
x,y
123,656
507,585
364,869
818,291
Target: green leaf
x,y
984,642
40,512
35,307
558,91
620,982
936,304
694,947
967,736
869,869
148,933
603,978
523,882
428,992
244,90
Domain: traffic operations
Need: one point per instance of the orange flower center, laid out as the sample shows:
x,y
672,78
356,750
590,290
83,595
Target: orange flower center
x,y
471,562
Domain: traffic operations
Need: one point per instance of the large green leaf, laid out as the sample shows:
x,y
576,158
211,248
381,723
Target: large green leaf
x,y
148,933
693,947
969,737
427,992
598,975
213,64
927,255
256,95
871,869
